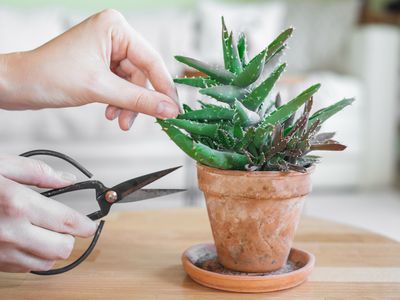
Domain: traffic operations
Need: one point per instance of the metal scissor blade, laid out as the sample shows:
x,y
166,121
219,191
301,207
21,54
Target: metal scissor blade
x,y
144,194
128,187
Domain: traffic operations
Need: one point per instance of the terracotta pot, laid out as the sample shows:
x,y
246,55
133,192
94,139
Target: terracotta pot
x,y
253,215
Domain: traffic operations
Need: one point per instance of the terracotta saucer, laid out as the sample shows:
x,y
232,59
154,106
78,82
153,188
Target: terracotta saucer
x,y
201,264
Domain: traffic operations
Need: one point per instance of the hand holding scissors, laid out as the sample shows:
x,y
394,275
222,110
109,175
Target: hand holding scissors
x,y
127,191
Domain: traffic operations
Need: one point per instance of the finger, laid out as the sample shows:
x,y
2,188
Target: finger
x,y
33,172
121,73
42,211
17,261
112,112
142,55
44,243
135,75
121,93
126,119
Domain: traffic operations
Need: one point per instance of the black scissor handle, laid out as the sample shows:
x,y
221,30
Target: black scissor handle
x,y
60,156
93,216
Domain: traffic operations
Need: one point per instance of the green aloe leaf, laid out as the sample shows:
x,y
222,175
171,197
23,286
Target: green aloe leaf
x,y
324,114
204,129
231,56
286,110
203,153
225,139
246,116
225,93
217,73
242,49
186,108
248,137
258,95
277,45
200,82
251,72
238,132
261,135
207,105
209,114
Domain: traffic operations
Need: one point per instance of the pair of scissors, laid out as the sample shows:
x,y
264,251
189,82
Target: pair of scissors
x,y
127,191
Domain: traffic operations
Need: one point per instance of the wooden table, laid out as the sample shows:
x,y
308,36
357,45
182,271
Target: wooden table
x,y
138,257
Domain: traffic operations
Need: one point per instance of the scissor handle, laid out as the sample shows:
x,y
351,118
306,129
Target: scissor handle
x,y
90,184
60,156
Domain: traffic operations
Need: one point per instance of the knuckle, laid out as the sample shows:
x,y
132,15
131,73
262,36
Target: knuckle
x,y
70,221
5,235
140,101
109,15
11,207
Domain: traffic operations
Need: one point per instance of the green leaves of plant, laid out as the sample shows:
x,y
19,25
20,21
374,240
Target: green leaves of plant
x,y
200,82
258,95
231,56
208,114
204,129
203,153
284,111
245,116
225,93
217,73
278,44
255,132
251,72
324,114
242,49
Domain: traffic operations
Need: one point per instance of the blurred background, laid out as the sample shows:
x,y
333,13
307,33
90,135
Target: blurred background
x,y
352,47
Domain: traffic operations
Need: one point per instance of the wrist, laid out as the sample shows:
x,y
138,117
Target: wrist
x,y
14,84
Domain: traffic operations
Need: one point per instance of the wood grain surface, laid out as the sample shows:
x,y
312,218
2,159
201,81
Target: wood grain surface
x,y
138,257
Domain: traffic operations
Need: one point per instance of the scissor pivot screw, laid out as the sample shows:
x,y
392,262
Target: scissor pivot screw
x,y
111,196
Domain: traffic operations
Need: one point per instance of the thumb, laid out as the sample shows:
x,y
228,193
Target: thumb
x,y
124,94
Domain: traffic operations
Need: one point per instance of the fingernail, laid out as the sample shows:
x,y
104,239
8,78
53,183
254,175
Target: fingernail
x,y
68,177
167,110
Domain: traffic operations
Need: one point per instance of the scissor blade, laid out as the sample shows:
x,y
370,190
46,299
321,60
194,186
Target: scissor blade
x,y
128,187
144,194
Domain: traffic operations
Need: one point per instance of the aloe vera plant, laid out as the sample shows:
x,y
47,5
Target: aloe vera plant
x,y
250,129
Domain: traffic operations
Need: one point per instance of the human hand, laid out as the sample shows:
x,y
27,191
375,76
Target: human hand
x,y
103,60
35,231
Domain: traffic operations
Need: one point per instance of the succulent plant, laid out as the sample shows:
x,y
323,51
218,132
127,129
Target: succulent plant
x,y
248,130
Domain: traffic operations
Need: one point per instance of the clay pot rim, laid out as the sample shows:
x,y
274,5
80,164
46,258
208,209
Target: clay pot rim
x,y
209,169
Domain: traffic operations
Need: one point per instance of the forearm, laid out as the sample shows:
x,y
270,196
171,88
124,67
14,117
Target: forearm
x,y
16,85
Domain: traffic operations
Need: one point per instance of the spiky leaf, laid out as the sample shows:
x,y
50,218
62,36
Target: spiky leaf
x,y
225,93
251,72
208,114
284,112
324,114
246,116
204,129
200,82
202,153
277,44
258,95
231,57
217,73
242,49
